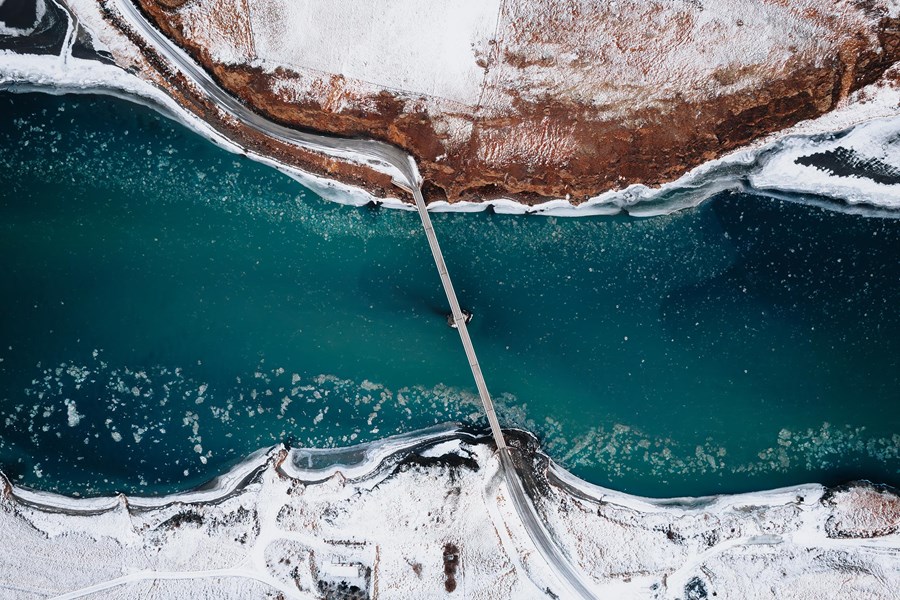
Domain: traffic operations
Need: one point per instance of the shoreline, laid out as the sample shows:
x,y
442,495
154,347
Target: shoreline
x,y
734,172
368,520
367,459
765,167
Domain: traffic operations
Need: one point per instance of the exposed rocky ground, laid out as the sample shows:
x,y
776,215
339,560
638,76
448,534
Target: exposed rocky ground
x,y
540,99
430,517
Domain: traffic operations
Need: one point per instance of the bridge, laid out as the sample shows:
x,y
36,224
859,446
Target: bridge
x,y
459,318
558,562
382,157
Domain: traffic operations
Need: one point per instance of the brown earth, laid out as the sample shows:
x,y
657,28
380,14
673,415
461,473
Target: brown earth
x,y
652,144
451,564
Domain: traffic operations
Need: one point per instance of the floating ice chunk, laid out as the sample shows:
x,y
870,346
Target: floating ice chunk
x,y
72,413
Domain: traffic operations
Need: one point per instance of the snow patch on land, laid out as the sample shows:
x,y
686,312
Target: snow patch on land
x,y
223,24
873,143
409,45
632,53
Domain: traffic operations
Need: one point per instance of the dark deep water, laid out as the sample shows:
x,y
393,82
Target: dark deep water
x,y
168,307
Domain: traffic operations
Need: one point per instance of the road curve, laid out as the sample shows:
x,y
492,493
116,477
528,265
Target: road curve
x,y
375,154
379,155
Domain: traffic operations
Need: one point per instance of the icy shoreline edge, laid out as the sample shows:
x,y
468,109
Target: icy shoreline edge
x,y
768,167
313,466
421,514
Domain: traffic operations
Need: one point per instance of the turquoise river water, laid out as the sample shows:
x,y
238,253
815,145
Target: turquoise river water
x,y
169,307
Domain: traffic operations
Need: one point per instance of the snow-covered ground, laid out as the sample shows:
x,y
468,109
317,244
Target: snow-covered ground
x,y
861,167
420,515
408,45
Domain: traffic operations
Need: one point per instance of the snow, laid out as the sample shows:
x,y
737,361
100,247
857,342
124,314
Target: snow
x,y
632,53
405,45
484,54
269,528
312,464
222,24
442,449
893,8
874,141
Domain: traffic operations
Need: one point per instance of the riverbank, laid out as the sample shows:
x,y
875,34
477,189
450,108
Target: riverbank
x,y
538,100
785,158
426,514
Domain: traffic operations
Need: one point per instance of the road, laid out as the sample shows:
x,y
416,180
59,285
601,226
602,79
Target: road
x,y
380,155
377,155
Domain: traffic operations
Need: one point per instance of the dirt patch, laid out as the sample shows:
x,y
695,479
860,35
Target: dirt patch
x,y
183,518
451,564
171,4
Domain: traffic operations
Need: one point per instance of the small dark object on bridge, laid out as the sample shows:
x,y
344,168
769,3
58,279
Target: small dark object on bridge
x,y
468,318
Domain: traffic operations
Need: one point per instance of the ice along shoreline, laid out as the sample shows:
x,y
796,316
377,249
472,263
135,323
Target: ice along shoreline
x,y
422,514
766,169
787,164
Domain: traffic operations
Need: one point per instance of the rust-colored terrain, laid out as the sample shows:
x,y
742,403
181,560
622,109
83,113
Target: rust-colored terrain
x,y
563,98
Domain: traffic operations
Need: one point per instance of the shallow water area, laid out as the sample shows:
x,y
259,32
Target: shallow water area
x,y
168,308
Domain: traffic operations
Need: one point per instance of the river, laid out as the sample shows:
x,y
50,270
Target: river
x,y
168,308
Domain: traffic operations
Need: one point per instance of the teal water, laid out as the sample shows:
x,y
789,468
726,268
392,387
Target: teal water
x,y
168,307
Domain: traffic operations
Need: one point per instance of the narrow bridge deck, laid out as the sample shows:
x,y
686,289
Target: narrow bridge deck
x,y
458,318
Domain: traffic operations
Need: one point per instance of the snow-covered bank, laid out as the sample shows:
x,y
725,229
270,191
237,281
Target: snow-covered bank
x,y
867,127
539,99
422,515
859,166
869,120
